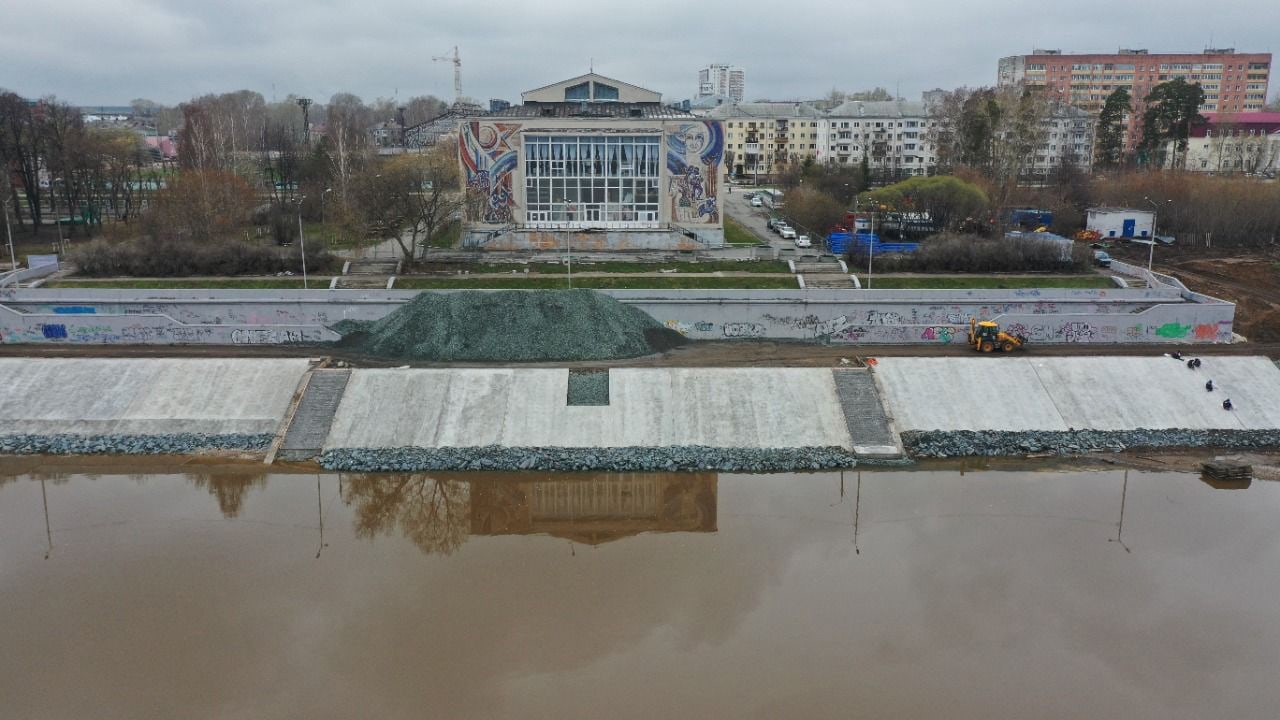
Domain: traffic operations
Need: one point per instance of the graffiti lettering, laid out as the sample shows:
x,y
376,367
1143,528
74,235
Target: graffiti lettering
x,y
876,317
54,332
743,330
940,334
265,337
1077,331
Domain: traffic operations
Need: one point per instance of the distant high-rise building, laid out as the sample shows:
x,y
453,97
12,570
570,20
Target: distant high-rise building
x,y
723,80
1232,82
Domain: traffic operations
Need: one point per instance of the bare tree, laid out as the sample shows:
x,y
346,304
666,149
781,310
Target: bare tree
x,y
347,123
22,149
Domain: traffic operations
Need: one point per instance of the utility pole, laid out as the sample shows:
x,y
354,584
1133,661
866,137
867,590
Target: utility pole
x,y
302,241
305,104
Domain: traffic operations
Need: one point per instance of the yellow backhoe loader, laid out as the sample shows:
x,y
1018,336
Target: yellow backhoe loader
x,y
986,336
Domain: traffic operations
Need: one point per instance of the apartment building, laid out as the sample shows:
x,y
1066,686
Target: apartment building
x,y
1232,82
1244,143
892,135
725,80
760,138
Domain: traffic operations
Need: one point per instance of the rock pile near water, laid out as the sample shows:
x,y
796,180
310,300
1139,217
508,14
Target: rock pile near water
x,y
174,444
612,459
965,443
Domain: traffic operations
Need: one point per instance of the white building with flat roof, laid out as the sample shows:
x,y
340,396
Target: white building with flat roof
x,y
1113,222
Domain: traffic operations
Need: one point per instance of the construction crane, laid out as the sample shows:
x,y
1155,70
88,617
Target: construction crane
x,y
457,73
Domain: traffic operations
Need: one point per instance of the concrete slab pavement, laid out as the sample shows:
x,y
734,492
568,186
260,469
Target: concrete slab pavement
x,y
55,396
660,407
1095,393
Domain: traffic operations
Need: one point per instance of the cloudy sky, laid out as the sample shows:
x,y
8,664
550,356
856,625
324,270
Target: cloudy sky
x,y
94,52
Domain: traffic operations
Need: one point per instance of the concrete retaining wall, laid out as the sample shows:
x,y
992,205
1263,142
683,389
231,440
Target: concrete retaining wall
x,y
1162,314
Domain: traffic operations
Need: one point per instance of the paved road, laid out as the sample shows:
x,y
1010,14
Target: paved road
x,y
752,218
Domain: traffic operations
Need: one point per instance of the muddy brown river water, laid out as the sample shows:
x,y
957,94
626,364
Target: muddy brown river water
x,y
163,590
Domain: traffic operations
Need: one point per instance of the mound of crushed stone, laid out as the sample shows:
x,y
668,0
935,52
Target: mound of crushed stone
x,y
510,326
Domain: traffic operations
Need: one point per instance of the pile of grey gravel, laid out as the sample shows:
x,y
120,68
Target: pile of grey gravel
x,y
614,459
510,326
963,443
174,444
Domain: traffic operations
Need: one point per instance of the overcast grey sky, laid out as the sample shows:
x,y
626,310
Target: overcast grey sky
x,y
94,52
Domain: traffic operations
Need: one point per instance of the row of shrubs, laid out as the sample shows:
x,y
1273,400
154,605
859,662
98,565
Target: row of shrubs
x,y
151,257
973,254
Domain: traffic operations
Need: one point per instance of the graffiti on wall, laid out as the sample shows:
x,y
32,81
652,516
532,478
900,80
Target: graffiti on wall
x,y
489,158
694,152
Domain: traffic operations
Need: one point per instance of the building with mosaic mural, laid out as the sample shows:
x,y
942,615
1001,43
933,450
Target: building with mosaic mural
x,y
595,162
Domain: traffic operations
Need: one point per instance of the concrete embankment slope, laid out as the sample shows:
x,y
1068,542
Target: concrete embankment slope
x,y
771,418
143,405
1015,405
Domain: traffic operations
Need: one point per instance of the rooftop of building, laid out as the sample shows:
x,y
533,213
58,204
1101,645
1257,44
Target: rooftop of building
x,y
766,110
1266,122
1106,209
593,110
1143,52
880,108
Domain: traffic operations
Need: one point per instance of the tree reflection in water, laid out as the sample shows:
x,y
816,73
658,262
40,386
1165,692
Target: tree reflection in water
x,y
230,489
434,514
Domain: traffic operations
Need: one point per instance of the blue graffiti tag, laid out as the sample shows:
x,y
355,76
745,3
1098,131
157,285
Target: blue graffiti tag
x,y
54,332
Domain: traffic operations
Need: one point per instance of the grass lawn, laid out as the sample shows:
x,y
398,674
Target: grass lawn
x,y
272,283
619,266
736,234
985,282
598,283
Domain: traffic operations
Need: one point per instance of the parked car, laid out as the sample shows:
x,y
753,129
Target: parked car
x,y
788,233
802,241
756,202
1102,258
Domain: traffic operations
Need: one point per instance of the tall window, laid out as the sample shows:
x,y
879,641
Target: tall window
x,y
593,180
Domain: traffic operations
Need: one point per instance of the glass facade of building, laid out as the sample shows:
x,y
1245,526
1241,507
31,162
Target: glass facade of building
x,y
592,180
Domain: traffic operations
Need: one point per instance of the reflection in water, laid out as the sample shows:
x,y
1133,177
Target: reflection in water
x,y
998,579
229,488
432,513
598,509
438,513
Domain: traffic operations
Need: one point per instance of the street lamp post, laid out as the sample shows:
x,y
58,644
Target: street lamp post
x,y
871,243
1151,247
302,243
8,229
323,196
568,242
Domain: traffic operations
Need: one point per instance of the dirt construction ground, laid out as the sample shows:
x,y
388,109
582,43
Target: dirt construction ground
x,y
1252,282
743,353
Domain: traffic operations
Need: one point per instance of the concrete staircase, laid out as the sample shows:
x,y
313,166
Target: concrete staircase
x,y
823,271
310,424
870,428
368,273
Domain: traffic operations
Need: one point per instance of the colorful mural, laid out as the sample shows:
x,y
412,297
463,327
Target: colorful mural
x,y
694,153
489,156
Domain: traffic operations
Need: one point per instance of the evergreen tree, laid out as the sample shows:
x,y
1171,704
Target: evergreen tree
x,y
1173,108
1111,128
